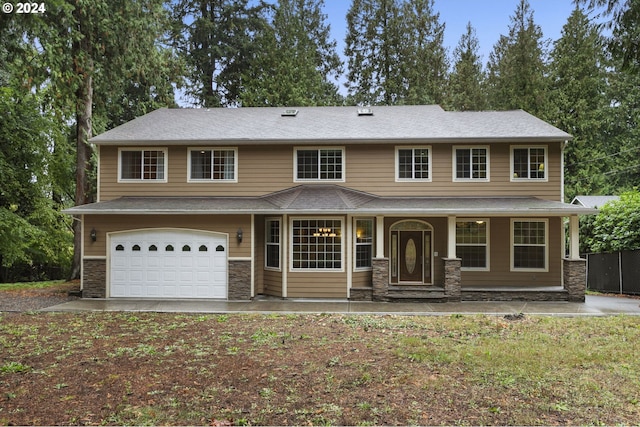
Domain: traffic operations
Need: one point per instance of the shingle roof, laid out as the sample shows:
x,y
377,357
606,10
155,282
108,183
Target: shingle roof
x,y
328,124
331,199
593,201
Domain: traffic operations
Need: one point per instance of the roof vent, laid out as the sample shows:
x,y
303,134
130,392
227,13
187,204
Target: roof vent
x,y
365,111
290,113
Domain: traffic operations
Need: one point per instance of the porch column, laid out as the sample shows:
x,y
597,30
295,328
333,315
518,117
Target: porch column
x,y
574,271
451,237
379,236
574,233
284,250
452,264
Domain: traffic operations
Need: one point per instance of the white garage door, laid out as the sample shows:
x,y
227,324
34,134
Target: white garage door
x,y
168,264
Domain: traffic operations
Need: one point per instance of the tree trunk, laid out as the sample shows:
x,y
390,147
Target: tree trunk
x,y
84,109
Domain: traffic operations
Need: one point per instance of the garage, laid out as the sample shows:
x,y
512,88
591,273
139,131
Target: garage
x,y
168,264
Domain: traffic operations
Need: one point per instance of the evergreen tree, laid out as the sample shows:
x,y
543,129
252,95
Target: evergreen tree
x,y
373,50
88,52
516,68
424,59
577,95
296,63
465,89
216,40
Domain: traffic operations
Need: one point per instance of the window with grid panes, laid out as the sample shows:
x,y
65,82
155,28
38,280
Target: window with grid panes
x,y
413,163
319,164
528,163
471,243
364,243
142,165
317,244
471,163
529,244
272,243
215,164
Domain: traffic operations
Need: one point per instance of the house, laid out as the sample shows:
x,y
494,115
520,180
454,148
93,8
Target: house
x,y
594,202
383,203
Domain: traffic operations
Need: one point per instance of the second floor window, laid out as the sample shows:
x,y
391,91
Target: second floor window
x,y
319,164
142,165
471,163
528,163
212,165
413,164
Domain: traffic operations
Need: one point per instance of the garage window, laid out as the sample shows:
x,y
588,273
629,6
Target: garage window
x,y
168,248
203,248
186,248
153,248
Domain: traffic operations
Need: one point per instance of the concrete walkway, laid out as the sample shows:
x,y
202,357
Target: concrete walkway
x,y
594,306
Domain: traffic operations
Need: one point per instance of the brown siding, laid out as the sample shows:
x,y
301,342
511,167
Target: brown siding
x,y
320,284
500,259
222,224
272,283
361,279
370,168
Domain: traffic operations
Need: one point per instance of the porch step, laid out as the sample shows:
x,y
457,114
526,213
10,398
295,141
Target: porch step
x,y
416,293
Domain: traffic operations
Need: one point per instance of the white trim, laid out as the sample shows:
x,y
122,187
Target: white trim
x,y
266,230
451,237
82,251
253,256
486,245
379,237
574,237
545,164
285,255
239,258
165,150
354,244
546,245
318,148
94,257
413,147
98,169
454,163
342,244
350,242
212,180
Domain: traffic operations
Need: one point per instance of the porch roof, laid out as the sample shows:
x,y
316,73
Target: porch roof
x,y
332,199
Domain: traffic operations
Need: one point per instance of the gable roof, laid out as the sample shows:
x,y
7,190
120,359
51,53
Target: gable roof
x,y
593,201
251,125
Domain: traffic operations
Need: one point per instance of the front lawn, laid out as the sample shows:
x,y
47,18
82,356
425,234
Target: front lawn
x,y
154,369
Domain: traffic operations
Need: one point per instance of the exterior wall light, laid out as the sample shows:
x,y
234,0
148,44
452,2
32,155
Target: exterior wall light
x,y
239,235
93,235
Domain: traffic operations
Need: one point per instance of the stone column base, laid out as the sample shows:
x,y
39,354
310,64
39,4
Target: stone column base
x,y
239,280
94,278
452,278
574,272
380,279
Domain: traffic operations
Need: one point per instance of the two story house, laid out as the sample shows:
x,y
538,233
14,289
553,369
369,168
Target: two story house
x,y
381,203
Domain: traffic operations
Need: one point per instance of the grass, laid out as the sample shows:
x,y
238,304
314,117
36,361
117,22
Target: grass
x,y
27,286
249,369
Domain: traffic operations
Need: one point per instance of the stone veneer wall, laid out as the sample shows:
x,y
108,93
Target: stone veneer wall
x,y
361,294
239,280
94,278
380,279
575,278
453,278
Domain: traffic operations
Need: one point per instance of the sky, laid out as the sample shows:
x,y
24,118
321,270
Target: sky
x,y
490,18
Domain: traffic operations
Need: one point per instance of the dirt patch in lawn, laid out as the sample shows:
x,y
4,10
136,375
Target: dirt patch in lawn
x,y
30,299
174,369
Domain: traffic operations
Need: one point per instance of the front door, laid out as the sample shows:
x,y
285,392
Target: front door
x,y
411,256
